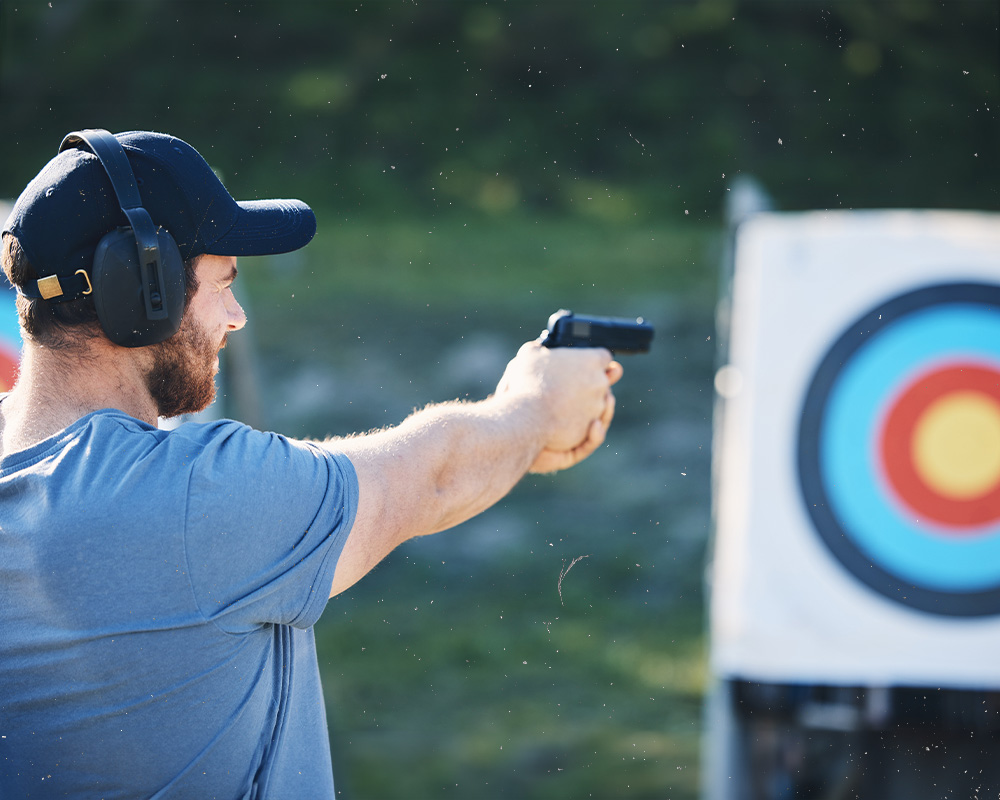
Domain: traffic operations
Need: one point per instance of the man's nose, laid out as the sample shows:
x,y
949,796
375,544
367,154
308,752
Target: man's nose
x,y
237,316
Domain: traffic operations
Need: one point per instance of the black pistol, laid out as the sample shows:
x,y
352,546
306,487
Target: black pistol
x,y
618,335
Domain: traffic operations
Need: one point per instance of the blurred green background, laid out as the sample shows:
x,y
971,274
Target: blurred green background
x,y
475,166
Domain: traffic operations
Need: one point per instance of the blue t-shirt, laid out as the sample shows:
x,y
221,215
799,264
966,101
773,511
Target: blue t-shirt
x,y
157,596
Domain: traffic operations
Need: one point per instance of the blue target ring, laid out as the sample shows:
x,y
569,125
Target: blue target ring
x,y
882,540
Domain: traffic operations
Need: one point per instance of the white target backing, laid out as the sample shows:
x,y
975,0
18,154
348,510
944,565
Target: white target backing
x,y
858,472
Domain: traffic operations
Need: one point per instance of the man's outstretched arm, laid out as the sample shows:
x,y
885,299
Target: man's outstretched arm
x,y
448,462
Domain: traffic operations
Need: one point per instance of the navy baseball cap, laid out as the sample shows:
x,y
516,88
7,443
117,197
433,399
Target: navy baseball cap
x,y
65,210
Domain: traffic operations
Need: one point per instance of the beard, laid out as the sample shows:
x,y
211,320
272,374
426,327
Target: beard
x,y
182,378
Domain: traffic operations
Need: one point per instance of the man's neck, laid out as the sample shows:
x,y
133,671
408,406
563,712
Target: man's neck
x,y
56,387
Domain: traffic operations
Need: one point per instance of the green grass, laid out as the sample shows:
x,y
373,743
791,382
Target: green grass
x,y
486,684
503,262
462,667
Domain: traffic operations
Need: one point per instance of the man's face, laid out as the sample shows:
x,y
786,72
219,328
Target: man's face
x,y
182,378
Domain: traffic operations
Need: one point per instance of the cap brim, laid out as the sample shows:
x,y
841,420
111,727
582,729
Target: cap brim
x,y
266,227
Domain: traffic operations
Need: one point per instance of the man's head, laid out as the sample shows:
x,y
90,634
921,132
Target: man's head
x,y
66,211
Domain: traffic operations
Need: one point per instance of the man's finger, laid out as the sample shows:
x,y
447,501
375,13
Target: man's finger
x,y
614,372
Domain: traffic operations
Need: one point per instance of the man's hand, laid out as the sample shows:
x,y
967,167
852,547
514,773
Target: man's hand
x,y
574,387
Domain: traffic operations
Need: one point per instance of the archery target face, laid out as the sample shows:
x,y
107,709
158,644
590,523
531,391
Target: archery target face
x,y
10,339
899,449
857,452
10,332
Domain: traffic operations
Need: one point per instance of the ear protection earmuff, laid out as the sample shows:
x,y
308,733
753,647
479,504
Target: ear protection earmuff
x,y
138,274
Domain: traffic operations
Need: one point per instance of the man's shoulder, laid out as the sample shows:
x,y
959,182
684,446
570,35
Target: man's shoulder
x,y
228,442
207,431
119,442
115,427
116,444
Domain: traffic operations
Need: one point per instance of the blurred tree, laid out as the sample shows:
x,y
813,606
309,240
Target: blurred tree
x,y
619,109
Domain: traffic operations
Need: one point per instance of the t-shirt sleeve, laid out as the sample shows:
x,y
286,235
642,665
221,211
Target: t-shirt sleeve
x,y
266,521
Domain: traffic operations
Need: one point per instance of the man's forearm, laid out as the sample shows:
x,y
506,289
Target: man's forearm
x,y
439,467
453,459
448,462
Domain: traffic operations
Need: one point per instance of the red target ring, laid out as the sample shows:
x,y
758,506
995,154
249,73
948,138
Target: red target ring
x,y
940,447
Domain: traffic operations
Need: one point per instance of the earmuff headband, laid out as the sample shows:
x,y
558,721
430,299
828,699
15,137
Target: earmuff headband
x,y
112,157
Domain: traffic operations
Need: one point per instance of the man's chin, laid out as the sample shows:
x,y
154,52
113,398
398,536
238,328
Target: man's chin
x,y
171,412
182,377
185,400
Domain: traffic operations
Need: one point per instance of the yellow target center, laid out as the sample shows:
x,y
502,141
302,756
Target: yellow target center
x,y
956,445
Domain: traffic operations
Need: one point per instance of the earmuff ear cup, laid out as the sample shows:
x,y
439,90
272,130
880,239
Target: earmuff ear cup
x,y
117,282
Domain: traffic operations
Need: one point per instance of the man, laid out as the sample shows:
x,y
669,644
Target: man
x,y
158,589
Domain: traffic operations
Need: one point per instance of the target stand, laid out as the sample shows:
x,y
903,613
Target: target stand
x,y
857,499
